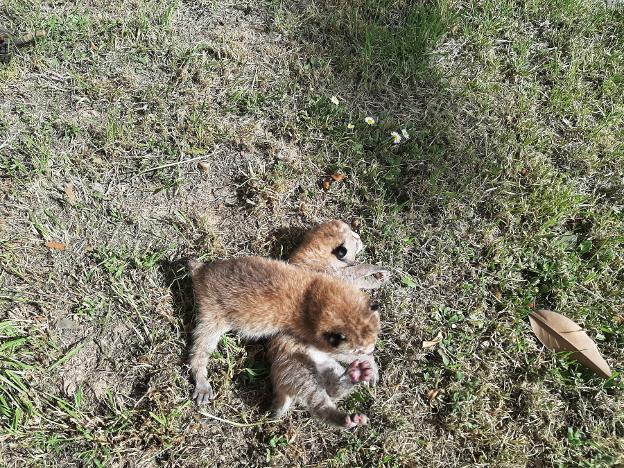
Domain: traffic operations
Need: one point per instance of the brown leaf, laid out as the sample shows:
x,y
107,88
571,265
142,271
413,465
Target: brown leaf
x,y
145,360
203,166
433,394
326,183
433,342
559,333
55,245
70,192
338,177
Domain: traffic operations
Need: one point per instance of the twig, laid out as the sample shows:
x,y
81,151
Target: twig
x,y
177,163
7,141
237,424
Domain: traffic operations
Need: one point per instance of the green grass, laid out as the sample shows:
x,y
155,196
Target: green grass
x,y
15,405
508,195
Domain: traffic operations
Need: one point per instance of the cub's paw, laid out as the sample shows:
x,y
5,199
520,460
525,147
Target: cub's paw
x,y
375,371
203,393
360,371
375,278
382,275
280,407
353,420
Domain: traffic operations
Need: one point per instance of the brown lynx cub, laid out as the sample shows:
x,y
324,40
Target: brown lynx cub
x,y
258,298
331,248
299,372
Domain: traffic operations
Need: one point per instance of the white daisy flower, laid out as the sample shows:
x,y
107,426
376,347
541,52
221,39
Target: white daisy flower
x,y
405,134
350,126
335,100
369,121
396,138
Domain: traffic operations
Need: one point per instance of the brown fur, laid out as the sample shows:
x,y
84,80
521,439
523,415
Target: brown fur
x,y
258,297
316,251
300,373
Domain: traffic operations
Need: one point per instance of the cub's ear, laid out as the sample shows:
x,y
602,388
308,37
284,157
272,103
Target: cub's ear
x,y
340,252
375,308
334,339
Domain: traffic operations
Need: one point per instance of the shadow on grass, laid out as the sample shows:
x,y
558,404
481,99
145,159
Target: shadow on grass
x,y
377,56
251,378
379,43
284,240
178,280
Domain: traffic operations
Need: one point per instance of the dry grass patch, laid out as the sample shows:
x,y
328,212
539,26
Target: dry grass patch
x,y
508,193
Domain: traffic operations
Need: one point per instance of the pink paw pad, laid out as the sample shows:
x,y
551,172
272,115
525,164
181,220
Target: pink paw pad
x,y
360,371
353,420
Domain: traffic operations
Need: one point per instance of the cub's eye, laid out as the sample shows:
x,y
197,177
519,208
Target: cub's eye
x,y
334,339
375,307
340,252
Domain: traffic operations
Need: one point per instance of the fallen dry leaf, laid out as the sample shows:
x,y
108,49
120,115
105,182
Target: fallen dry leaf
x,y
355,224
145,360
55,245
433,342
558,333
70,192
203,166
433,394
327,181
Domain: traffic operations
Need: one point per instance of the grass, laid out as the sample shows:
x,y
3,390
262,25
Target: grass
x,y
508,195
